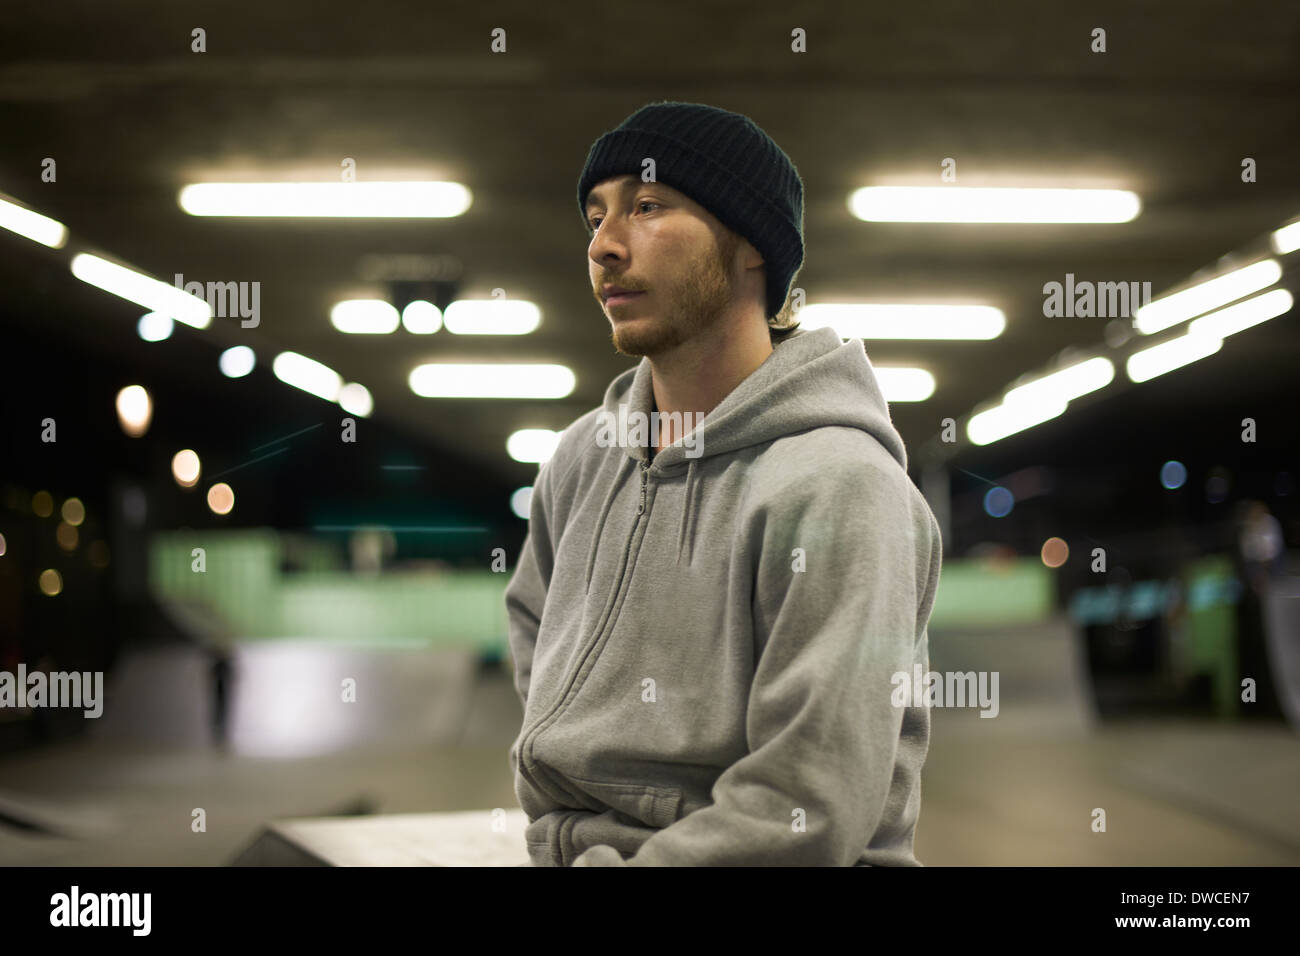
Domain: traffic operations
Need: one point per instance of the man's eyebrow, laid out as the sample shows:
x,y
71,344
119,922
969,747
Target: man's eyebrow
x,y
594,200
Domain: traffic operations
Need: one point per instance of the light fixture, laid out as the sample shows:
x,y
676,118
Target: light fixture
x,y
237,361
1287,239
990,204
1167,356
377,200
1011,417
154,326
532,444
1065,384
355,399
32,225
1243,315
364,317
491,317
142,289
881,321
1168,311
900,384
421,317
486,380
521,502
308,375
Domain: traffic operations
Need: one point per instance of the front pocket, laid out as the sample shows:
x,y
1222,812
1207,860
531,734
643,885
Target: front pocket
x,y
654,806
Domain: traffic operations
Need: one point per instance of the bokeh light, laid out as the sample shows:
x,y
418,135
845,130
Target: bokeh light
x,y
43,504
221,499
1173,474
73,511
66,535
186,468
154,326
521,502
237,361
1055,552
134,410
998,502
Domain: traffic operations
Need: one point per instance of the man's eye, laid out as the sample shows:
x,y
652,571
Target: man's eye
x,y
594,222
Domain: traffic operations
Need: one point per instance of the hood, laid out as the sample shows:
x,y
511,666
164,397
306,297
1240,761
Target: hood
x,y
813,378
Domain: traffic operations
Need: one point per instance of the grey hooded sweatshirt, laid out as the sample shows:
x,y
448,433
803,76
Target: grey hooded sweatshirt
x,y
707,640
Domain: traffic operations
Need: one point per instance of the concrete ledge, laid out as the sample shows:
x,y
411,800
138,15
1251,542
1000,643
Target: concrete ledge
x,y
401,839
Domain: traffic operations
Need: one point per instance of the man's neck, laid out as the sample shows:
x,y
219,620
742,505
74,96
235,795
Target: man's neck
x,y
695,377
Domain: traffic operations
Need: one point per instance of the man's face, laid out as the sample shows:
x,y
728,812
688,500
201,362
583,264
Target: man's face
x,y
679,258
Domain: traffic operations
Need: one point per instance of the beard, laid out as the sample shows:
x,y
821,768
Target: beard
x,y
694,303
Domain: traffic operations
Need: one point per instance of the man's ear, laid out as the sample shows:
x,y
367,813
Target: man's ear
x,y
752,258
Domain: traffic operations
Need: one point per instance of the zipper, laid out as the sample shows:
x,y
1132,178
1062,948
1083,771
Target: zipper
x,y
525,751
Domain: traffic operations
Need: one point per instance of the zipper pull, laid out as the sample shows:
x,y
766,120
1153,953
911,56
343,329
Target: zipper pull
x,y
645,470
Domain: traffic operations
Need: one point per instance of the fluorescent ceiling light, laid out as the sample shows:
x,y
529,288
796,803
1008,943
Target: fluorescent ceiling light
x,y
904,384
484,380
491,317
142,289
976,204
521,502
1243,315
1204,296
154,326
1287,239
411,200
308,375
355,398
869,321
1009,418
1066,384
1039,401
1167,356
532,444
364,317
32,225
237,361
421,317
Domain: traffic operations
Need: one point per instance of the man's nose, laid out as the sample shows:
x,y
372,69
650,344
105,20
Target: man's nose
x,y
609,240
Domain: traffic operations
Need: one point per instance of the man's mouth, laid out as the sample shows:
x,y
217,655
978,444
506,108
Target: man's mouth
x,y
621,298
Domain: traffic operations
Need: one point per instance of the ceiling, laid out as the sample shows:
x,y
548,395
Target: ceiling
x,y
1010,90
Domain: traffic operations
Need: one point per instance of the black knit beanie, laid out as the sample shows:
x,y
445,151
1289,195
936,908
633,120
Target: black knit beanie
x,y
724,162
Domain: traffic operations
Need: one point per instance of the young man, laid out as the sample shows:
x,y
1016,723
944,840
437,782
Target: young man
x,y
706,625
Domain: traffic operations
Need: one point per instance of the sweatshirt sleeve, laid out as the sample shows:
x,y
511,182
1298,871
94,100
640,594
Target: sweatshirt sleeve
x,y
525,595
834,622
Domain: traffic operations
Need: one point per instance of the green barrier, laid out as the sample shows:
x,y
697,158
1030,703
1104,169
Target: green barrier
x,y
993,592
1210,629
242,584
